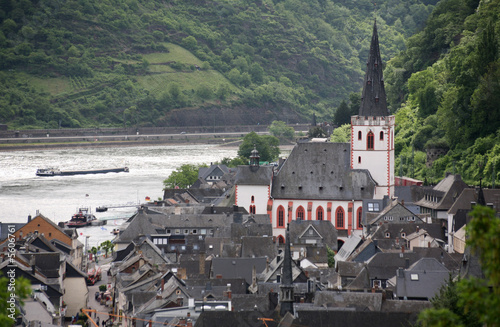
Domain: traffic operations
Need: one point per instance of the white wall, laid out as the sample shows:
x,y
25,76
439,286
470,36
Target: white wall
x,y
76,295
261,194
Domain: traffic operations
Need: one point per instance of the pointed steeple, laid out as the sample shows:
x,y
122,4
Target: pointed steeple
x,y
373,100
286,287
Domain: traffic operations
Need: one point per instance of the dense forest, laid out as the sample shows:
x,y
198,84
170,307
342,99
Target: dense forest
x,y
85,63
444,89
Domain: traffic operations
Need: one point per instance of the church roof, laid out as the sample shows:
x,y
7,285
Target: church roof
x,y
322,171
373,101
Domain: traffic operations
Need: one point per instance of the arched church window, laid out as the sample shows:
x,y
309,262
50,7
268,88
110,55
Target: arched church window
x,y
369,141
320,213
281,217
339,214
300,213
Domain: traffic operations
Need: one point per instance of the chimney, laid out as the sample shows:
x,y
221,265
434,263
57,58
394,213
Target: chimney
x,y
33,266
162,284
189,323
29,218
229,293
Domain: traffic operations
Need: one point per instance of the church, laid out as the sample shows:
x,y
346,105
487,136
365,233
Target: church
x,y
330,181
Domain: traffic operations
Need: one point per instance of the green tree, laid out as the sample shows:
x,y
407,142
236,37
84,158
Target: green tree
x,y
478,296
341,134
280,129
183,177
267,145
21,289
342,114
234,162
331,257
316,131
107,246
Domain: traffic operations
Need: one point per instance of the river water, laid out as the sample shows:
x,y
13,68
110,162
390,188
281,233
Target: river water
x,y
22,193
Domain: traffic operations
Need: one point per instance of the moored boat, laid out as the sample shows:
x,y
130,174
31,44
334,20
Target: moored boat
x,y
82,218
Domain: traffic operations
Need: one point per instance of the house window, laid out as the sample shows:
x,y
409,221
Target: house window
x,y
320,213
373,206
359,135
281,216
186,231
340,217
360,216
252,209
381,136
369,141
387,235
195,231
168,231
300,213
377,284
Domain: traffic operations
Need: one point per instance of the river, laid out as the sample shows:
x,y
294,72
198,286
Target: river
x,y
22,193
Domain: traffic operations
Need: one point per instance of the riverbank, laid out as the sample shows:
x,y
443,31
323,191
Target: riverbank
x,y
124,143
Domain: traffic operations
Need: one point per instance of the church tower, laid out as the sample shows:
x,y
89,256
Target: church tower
x,y
372,130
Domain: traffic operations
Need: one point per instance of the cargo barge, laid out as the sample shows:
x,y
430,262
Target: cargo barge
x,y
57,172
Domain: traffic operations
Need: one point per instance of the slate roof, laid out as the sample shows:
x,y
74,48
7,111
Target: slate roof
x,y
469,195
316,317
373,98
213,170
422,280
395,241
4,231
48,262
257,246
251,175
354,300
443,195
322,171
394,212
322,230
237,267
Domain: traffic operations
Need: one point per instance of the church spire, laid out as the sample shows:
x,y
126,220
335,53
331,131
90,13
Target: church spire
x,y
373,101
287,295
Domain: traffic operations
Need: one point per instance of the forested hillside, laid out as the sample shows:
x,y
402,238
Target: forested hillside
x,y
89,63
445,90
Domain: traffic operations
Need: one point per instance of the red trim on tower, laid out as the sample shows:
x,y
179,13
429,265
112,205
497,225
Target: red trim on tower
x,y
270,209
352,147
236,195
290,210
350,206
389,162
